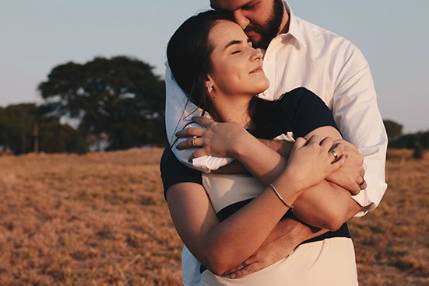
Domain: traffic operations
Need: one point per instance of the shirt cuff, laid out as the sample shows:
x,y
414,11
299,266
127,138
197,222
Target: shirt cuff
x,y
210,163
369,200
205,164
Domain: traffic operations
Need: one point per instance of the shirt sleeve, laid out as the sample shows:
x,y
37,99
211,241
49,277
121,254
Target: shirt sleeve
x,y
305,112
358,117
179,111
173,172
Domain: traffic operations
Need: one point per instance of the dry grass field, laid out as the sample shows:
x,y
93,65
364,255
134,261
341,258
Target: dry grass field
x,y
100,219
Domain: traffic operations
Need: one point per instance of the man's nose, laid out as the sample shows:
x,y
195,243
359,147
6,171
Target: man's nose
x,y
240,19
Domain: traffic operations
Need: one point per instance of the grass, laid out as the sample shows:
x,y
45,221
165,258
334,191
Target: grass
x,y
100,219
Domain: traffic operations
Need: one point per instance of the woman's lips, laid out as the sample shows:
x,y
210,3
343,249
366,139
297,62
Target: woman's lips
x,y
258,69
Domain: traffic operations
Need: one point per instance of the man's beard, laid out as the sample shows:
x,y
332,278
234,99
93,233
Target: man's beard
x,y
271,28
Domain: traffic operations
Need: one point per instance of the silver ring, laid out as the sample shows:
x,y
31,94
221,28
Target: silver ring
x,y
193,141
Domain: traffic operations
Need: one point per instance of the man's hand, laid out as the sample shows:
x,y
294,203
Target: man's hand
x,y
286,236
213,139
268,254
350,175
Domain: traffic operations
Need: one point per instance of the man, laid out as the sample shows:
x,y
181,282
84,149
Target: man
x,y
298,53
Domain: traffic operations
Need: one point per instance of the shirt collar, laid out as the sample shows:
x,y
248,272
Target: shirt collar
x,y
294,27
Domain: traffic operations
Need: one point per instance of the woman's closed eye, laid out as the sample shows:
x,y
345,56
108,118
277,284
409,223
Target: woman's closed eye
x,y
237,51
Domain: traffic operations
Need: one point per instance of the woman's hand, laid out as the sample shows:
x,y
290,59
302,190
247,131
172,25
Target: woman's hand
x,y
214,138
351,174
313,160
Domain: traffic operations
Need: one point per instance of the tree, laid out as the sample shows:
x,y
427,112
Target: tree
x,y
411,141
19,122
405,141
60,138
120,97
16,125
393,129
424,139
418,151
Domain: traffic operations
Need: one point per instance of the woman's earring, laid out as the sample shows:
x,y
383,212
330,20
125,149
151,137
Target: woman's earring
x,y
210,87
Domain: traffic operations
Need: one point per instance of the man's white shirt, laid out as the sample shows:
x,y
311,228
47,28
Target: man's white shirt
x,y
332,68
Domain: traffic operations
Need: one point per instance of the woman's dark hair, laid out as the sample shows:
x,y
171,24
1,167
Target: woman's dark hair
x,y
188,54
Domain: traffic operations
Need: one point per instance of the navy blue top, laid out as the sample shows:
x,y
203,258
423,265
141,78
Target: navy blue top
x,y
299,111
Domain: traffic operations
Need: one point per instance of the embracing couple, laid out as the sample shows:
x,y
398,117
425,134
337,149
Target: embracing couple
x,y
275,141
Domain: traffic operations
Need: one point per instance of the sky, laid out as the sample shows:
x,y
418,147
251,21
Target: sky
x,y
37,35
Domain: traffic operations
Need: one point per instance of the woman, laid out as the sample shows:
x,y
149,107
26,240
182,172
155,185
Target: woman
x,y
213,62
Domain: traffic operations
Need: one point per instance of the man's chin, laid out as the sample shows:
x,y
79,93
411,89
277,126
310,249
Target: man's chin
x,y
259,44
256,38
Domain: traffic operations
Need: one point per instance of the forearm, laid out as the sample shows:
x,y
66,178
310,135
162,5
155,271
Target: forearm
x,y
233,168
325,206
292,232
260,160
221,245
228,244
289,234
281,243
281,147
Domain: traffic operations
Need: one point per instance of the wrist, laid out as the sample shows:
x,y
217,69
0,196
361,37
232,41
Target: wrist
x,y
295,232
289,186
242,146
282,147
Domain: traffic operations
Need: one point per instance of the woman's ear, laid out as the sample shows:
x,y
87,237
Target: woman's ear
x,y
209,84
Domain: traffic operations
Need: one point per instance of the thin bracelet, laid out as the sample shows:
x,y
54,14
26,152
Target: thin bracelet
x,y
280,196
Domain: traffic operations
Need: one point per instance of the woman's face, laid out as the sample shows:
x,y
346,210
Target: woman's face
x,y
236,65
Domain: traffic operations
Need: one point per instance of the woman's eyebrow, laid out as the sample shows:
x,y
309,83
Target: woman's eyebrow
x,y
234,42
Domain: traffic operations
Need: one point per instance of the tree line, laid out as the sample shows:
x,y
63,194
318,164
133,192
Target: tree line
x,y
408,141
418,141
108,103
117,101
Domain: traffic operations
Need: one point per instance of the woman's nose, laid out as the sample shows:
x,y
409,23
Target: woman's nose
x,y
240,19
257,54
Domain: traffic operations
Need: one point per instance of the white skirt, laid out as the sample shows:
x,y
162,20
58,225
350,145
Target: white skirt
x,y
328,262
